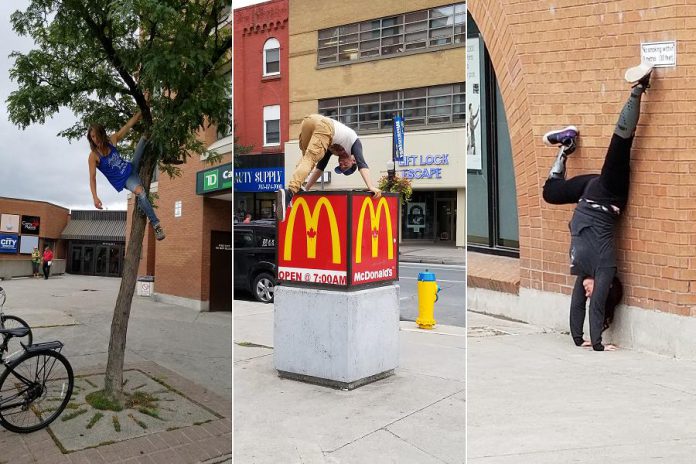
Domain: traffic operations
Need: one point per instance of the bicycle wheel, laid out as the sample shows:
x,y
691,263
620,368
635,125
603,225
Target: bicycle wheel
x,y
34,390
14,322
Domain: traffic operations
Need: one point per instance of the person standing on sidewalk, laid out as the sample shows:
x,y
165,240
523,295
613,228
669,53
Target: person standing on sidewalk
x,y
600,200
47,261
35,261
320,137
119,172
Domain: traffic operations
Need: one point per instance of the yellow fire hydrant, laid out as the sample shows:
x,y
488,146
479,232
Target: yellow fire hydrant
x,y
427,296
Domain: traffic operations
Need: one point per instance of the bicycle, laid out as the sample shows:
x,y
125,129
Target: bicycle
x,y
13,322
37,383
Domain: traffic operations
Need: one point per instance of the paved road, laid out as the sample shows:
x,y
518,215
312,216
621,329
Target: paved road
x,y
450,308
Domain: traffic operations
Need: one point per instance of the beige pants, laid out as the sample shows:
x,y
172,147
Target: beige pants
x,y
316,134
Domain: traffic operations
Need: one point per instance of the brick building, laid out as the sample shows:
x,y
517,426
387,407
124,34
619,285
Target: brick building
x,y
547,66
193,265
361,63
33,222
261,76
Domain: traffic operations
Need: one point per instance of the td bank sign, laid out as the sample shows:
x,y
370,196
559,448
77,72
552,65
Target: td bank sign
x,y
214,179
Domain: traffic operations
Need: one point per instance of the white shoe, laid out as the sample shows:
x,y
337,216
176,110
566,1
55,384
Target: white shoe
x,y
635,74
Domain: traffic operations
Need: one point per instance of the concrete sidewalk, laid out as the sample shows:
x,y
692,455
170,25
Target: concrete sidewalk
x,y
432,254
534,397
190,351
415,416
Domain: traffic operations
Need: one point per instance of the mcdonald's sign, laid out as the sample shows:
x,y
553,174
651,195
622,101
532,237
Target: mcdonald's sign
x,y
375,226
339,239
313,239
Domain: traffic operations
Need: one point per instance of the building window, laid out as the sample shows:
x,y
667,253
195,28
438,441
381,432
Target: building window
x,y
432,28
271,125
271,57
424,106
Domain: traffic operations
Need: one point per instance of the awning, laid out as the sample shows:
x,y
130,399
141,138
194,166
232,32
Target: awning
x,y
104,230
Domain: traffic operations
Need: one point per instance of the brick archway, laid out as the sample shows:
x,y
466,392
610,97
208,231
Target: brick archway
x,y
500,42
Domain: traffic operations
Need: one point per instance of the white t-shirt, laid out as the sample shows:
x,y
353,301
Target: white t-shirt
x,y
343,135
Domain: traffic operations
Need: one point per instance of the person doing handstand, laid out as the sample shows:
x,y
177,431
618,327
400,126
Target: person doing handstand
x,y
600,200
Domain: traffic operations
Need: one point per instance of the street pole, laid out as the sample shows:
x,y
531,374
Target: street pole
x,y
391,172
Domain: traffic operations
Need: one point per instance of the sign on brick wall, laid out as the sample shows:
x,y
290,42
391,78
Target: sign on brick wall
x,y
659,54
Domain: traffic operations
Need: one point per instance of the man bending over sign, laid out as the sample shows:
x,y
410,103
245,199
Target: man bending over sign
x,y
321,137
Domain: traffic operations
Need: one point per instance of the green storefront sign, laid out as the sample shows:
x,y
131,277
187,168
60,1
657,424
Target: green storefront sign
x,y
214,179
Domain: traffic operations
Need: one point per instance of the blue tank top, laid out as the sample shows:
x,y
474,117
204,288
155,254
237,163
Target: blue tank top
x,y
115,169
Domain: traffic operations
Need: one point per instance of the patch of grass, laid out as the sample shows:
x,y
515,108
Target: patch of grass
x,y
73,415
141,399
143,425
117,424
94,420
99,400
91,383
150,412
72,405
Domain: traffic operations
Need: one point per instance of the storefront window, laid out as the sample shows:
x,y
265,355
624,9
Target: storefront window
x,y
430,216
492,197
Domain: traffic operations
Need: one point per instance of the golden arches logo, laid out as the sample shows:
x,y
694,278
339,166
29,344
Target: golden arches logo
x,y
311,223
375,215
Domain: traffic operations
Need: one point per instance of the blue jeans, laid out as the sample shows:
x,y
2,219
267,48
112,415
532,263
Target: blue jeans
x,y
134,181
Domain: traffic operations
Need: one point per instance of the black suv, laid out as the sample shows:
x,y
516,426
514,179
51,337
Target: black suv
x,y
255,267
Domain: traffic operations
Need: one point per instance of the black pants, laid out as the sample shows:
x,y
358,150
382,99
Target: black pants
x,y
35,268
46,270
602,283
612,185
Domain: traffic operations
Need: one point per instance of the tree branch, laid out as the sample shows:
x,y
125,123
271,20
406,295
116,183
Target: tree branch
x,y
113,57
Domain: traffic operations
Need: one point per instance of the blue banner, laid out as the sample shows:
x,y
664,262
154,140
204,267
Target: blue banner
x,y
398,131
8,243
259,179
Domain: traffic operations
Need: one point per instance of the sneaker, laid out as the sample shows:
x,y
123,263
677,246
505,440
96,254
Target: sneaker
x,y
565,136
283,199
639,75
159,232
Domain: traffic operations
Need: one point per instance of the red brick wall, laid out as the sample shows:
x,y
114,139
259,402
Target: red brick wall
x,y
254,25
563,64
53,221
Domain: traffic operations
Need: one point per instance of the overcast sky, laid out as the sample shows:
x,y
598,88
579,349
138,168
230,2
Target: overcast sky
x,y
36,163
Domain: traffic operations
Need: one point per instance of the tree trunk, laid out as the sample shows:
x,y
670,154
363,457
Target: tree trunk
x,y
113,381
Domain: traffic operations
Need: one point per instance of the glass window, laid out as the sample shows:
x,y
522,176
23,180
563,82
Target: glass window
x,y
441,104
271,125
393,34
271,57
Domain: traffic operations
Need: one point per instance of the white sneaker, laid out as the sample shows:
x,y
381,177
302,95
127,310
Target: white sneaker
x,y
636,74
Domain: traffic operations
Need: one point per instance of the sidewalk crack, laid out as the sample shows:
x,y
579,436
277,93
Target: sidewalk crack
x,y
418,448
384,427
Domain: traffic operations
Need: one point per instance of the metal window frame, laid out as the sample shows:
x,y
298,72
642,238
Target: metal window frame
x,y
366,120
360,54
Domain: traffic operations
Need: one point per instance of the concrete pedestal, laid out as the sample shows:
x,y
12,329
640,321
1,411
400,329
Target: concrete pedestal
x,y
343,339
